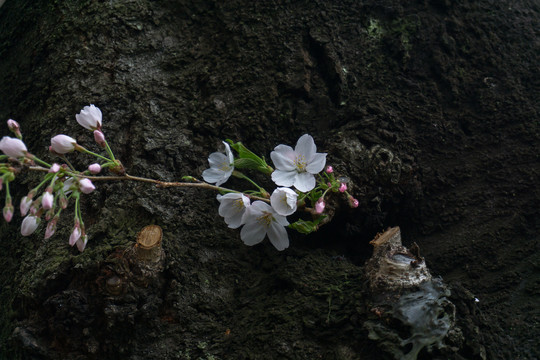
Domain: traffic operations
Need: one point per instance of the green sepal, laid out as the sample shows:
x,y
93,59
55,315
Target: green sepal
x,y
248,160
306,227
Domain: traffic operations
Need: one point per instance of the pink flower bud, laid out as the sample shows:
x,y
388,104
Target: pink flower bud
x,y
329,169
47,200
353,202
63,201
94,168
14,148
99,137
54,168
90,117
62,144
86,186
29,225
8,212
81,243
14,127
75,234
49,214
1,182
26,202
51,227
342,187
35,206
319,206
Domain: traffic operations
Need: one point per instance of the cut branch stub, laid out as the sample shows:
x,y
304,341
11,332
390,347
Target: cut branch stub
x,y
148,246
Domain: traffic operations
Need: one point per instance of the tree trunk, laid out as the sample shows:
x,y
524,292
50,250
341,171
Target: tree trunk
x,y
430,108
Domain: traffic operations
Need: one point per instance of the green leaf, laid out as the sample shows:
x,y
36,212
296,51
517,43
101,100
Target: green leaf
x,y
246,164
248,160
306,227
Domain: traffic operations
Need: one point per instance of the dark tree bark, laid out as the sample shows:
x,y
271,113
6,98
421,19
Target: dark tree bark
x,y
429,107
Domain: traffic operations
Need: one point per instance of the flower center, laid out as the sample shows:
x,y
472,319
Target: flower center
x,y
238,204
300,163
224,166
265,219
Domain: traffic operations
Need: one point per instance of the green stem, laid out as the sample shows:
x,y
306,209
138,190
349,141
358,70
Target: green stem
x,y
85,150
39,161
240,175
109,151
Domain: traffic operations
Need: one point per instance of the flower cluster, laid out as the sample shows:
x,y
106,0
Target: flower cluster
x,y
303,184
298,176
61,182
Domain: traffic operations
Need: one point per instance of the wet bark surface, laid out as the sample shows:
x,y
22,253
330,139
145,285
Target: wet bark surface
x,y
429,107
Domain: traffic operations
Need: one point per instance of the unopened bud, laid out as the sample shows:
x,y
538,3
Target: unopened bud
x,y
94,168
54,168
51,227
319,206
329,169
47,200
15,128
8,212
26,202
86,186
63,201
99,137
342,187
353,202
29,225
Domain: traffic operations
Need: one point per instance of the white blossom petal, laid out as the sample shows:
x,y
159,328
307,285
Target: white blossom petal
x,y
304,182
278,236
283,201
212,175
228,152
252,233
233,207
316,165
284,178
283,157
306,147
281,220
218,160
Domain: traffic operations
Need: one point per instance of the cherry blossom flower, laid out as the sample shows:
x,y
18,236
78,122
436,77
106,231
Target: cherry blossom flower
x,y
233,207
62,144
90,117
261,220
68,186
221,166
29,225
12,147
297,167
283,201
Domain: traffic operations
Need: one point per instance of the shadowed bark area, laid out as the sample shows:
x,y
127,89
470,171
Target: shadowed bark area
x,y
429,107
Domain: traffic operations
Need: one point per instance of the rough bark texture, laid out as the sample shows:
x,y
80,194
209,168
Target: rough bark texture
x,y
430,107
